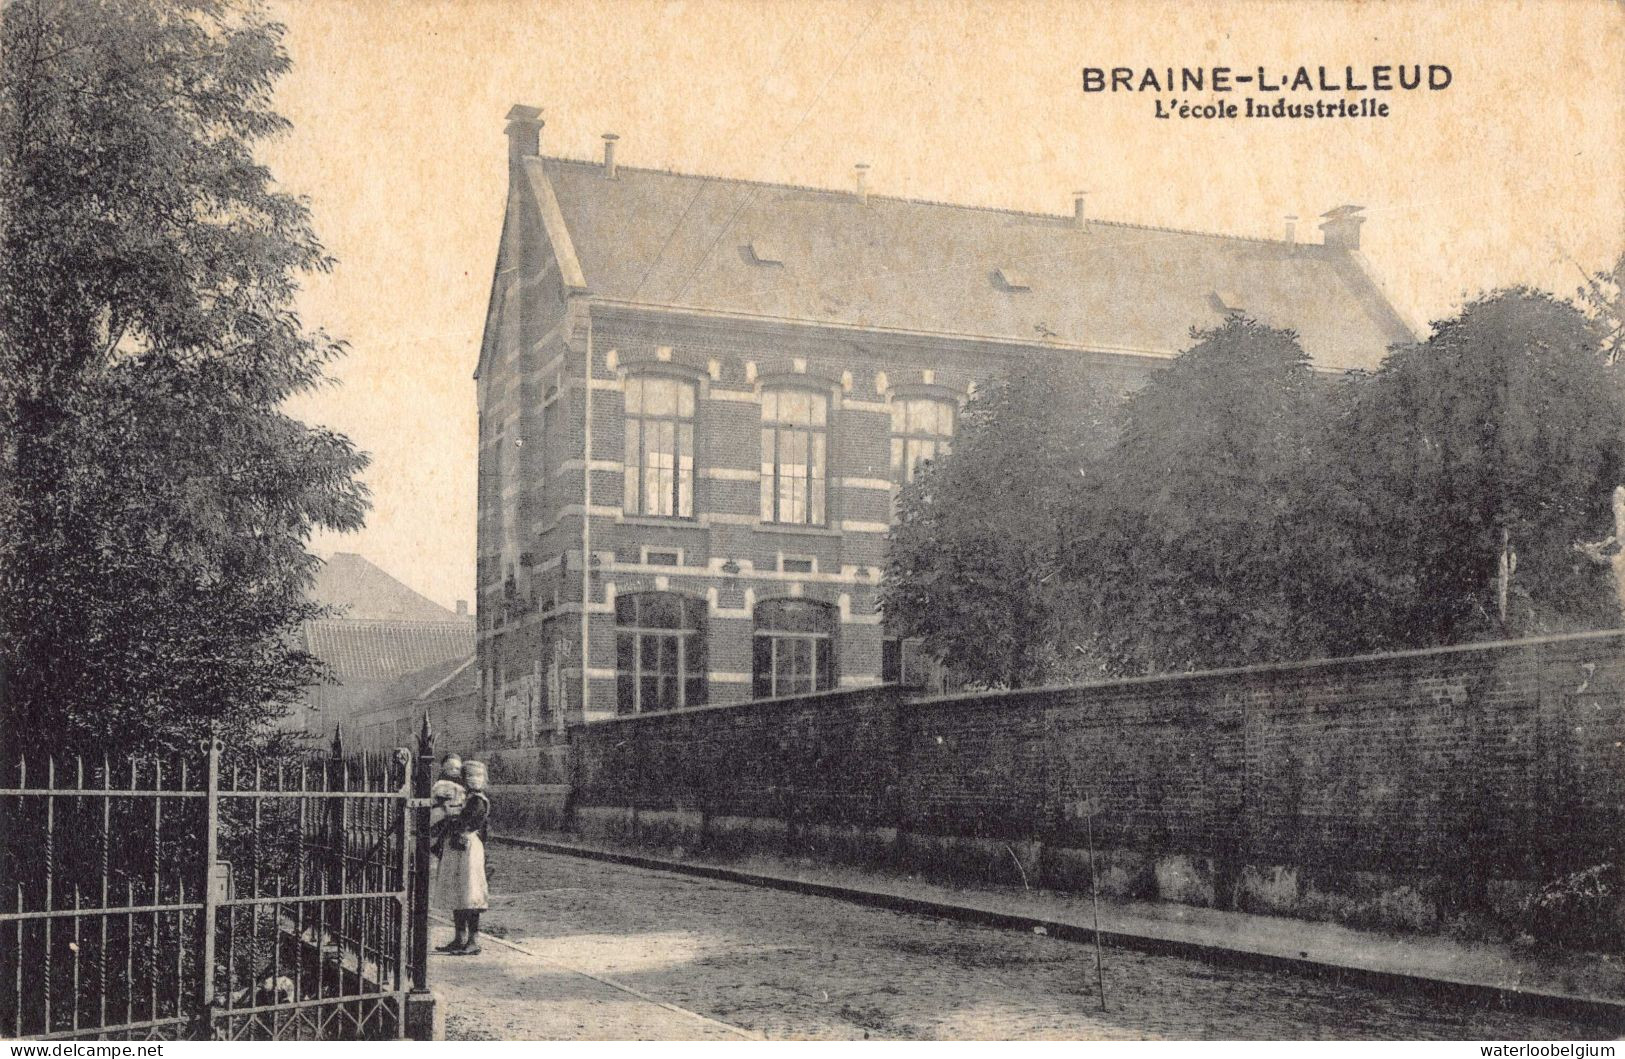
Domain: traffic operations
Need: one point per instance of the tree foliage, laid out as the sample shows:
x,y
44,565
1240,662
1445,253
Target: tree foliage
x,y
977,539
1187,557
1240,509
1505,429
1602,298
155,499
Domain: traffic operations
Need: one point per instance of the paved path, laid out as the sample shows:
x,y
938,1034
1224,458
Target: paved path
x,y
509,992
1479,964
696,958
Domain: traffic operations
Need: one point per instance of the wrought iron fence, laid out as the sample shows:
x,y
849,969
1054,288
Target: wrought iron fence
x,y
186,898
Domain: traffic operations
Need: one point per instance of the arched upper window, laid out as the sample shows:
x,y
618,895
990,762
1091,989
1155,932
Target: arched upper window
x,y
921,428
659,446
659,651
794,647
794,433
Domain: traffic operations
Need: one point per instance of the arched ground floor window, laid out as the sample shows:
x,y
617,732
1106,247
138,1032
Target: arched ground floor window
x,y
659,651
794,647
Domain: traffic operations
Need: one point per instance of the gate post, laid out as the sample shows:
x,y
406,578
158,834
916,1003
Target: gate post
x,y
204,1026
424,1019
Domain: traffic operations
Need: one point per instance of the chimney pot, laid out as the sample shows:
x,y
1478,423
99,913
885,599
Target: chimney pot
x,y
524,132
1080,212
1292,227
1340,227
860,174
609,155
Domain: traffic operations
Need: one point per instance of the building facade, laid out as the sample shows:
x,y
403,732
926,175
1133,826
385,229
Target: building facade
x,y
698,397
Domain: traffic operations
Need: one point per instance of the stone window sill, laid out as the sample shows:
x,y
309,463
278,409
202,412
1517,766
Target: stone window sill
x,y
796,528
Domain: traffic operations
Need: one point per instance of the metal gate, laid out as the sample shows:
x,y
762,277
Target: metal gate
x,y
187,898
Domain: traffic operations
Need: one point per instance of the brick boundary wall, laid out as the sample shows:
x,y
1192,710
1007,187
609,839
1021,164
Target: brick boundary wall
x,y
1394,790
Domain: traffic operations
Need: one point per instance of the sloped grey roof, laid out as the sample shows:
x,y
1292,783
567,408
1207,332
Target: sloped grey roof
x,y
677,240
361,590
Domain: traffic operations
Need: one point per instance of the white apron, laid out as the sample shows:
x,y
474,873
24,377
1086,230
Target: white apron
x,y
459,878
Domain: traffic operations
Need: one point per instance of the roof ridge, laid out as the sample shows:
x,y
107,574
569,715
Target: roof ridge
x,y
1005,210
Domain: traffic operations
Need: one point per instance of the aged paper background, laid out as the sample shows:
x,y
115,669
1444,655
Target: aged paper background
x,y
1511,175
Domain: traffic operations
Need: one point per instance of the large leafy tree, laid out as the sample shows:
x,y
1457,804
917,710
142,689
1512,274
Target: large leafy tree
x,y
155,499
1603,299
974,558
1189,556
1479,458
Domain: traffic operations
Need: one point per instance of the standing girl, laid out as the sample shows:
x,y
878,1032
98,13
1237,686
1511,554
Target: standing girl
x,y
459,878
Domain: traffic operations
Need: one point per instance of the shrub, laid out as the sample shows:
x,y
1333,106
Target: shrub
x,y
1584,910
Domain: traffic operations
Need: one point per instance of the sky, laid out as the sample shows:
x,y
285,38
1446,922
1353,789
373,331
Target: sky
x,y
1511,175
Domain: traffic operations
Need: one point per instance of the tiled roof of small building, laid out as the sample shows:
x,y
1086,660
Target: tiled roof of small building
x,y
361,650
449,678
670,239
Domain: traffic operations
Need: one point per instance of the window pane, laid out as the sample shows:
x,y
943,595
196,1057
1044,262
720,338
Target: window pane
x,y
661,610
826,664
694,691
784,666
633,437
685,471
793,453
897,458
694,653
651,488
815,487
899,417
793,406
770,406
685,400
792,476
769,484
625,665
918,411
668,673
634,395
659,397
762,666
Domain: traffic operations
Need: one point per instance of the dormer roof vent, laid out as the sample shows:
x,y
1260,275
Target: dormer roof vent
x,y
764,252
1010,279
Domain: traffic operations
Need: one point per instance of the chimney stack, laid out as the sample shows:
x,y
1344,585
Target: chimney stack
x,y
524,133
609,155
1340,227
1080,212
1292,227
860,173
462,608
